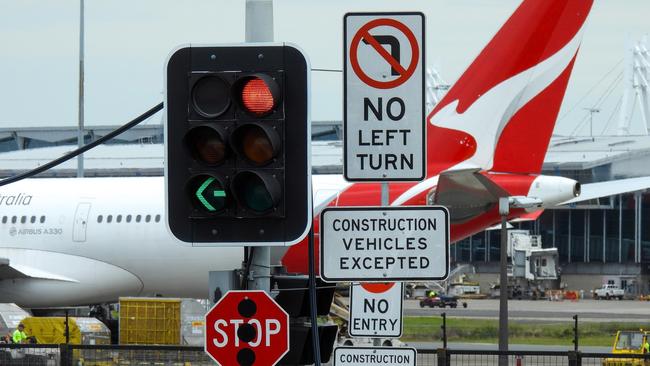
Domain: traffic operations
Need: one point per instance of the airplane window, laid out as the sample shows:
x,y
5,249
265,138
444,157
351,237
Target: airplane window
x,y
128,218
4,219
23,219
118,218
147,218
137,218
42,219
109,219
157,218
100,218
13,219
33,219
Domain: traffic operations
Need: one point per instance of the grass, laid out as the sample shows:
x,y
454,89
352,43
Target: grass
x,y
427,328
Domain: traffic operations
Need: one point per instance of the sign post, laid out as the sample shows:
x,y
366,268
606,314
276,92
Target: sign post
x,y
376,310
384,113
246,328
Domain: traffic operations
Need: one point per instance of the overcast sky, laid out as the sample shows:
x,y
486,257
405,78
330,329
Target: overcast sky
x,y
127,42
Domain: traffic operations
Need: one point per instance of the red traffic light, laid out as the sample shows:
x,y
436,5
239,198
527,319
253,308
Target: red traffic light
x,y
258,94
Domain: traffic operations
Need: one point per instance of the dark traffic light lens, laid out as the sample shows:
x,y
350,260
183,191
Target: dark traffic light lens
x,y
208,193
259,193
257,143
206,145
211,96
258,94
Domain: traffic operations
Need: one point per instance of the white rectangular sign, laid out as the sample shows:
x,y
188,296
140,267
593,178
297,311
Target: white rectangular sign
x,y
384,106
374,356
376,309
379,244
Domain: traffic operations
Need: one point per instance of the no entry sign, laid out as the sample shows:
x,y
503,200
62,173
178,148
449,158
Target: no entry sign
x,y
376,309
379,244
246,328
384,97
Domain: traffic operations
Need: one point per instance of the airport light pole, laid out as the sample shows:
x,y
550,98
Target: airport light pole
x,y
504,210
505,203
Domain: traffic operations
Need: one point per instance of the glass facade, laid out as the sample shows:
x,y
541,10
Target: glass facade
x,y
617,232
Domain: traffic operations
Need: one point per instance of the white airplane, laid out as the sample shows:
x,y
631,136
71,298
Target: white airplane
x,y
67,241
89,241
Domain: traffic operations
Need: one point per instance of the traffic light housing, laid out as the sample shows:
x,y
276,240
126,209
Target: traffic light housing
x,y
237,134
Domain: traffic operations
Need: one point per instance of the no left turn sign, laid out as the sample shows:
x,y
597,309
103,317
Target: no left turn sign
x,y
384,97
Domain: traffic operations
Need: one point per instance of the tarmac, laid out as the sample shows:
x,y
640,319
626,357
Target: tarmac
x,y
536,310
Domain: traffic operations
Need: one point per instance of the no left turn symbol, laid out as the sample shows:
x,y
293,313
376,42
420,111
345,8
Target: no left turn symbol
x,y
367,36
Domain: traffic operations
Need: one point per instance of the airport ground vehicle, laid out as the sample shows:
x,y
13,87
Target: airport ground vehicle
x,y
609,292
628,342
440,301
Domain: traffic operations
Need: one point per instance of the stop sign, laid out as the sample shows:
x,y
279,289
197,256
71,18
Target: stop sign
x,y
246,328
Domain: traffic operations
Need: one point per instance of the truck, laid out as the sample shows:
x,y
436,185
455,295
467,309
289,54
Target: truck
x,y
628,342
609,291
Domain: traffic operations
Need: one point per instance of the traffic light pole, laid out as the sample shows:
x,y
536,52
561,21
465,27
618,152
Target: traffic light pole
x,y
259,28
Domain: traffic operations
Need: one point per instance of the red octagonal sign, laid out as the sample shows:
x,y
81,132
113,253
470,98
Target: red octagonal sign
x,y
246,328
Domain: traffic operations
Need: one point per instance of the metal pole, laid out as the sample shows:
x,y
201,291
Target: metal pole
x,y
444,330
504,210
67,327
385,201
575,332
80,131
259,28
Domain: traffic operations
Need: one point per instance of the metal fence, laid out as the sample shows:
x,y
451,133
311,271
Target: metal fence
x,y
457,357
109,355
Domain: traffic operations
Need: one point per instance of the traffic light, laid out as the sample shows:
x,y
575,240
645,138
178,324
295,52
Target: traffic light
x,y
237,139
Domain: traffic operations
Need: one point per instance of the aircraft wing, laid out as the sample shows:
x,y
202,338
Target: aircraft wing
x,y
592,191
12,271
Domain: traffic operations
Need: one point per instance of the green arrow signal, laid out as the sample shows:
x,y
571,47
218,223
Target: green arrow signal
x,y
216,193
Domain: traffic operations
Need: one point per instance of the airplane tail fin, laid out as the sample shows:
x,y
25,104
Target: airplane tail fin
x,y
500,113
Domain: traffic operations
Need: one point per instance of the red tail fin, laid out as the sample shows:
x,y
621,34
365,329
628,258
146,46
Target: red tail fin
x,y
501,112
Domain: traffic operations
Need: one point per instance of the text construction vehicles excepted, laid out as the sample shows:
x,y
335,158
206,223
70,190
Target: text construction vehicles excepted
x,y
380,244
374,356
376,309
383,83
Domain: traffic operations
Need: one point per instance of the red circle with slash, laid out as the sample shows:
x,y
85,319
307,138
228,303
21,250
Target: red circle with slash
x,y
364,33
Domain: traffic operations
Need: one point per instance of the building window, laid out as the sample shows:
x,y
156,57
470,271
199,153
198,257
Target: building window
x,y
100,218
